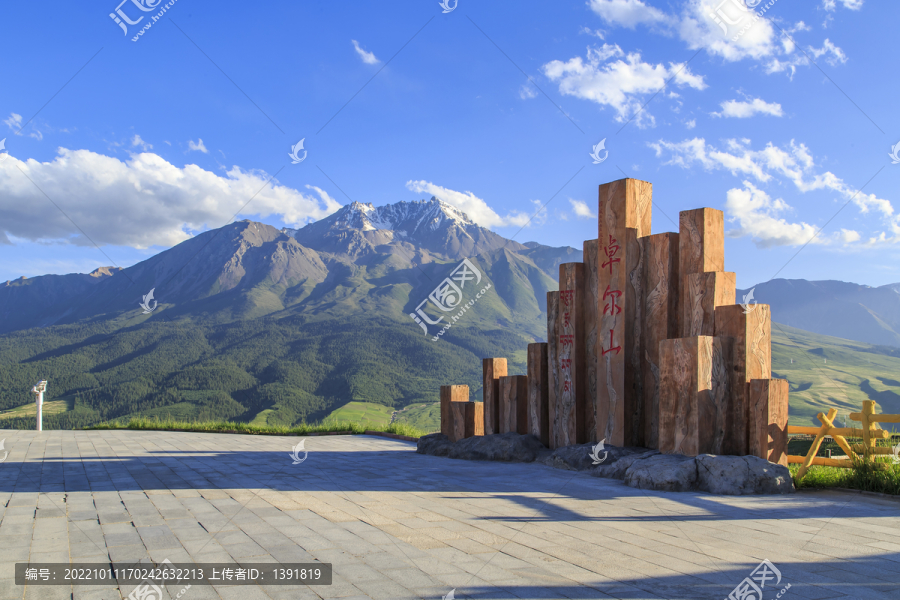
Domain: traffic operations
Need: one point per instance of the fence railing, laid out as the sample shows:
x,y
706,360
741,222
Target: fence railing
x,y
868,432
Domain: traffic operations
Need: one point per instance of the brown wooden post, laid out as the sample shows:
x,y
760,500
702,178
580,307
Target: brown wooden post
x,y
623,204
570,392
591,320
768,419
751,329
715,406
538,393
492,369
457,421
514,404
868,427
817,442
693,399
552,366
660,306
474,419
451,394
701,242
703,293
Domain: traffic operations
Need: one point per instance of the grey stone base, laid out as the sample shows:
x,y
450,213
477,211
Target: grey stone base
x,y
637,467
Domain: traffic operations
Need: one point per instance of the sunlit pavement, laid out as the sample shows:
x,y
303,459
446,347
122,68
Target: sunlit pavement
x,y
395,524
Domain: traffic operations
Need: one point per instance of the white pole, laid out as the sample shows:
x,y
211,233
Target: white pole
x,y
40,401
38,391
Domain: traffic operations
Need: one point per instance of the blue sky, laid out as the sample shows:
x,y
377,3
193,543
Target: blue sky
x,y
493,107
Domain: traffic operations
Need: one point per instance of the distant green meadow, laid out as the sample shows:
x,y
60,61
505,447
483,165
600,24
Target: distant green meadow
x,y
327,426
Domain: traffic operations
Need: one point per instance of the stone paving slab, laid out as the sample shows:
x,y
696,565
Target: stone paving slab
x,y
396,524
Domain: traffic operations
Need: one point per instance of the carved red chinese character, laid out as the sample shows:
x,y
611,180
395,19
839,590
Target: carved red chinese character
x,y
612,308
611,250
566,385
565,363
567,340
567,296
611,347
566,320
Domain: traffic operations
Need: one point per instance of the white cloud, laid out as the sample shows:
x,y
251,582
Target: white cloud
x,y
581,209
627,13
141,202
698,30
527,91
137,141
540,213
833,56
620,84
829,5
794,163
198,145
756,215
690,124
14,121
729,30
594,32
476,208
367,57
742,109
848,236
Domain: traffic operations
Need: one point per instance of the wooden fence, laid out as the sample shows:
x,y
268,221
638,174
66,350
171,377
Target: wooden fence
x,y
868,432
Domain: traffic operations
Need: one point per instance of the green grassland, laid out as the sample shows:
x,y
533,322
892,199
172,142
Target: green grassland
x,y
830,372
360,412
54,407
426,417
327,426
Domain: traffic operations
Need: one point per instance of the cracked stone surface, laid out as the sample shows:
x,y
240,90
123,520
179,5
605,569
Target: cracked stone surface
x,y
401,525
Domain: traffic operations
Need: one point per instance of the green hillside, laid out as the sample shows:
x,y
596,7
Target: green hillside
x,y
363,412
286,371
289,369
829,372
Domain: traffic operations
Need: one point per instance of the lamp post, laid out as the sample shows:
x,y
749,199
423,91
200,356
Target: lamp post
x,y
38,391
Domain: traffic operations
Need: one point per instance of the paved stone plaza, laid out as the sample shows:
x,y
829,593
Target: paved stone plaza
x,y
399,525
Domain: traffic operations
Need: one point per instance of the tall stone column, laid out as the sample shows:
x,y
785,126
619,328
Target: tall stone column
x,y
660,307
624,216
694,395
701,241
450,395
492,369
538,392
514,404
553,373
751,330
570,348
769,419
591,321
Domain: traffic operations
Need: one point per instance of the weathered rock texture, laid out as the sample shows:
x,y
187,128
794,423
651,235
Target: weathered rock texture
x,y
591,308
623,217
474,419
514,404
637,467
768,419
538,393
449,395
571,384
492,370
660,320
